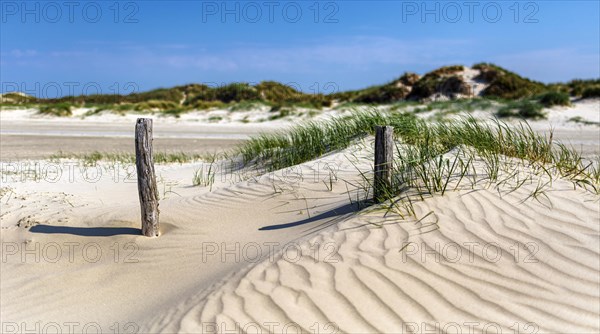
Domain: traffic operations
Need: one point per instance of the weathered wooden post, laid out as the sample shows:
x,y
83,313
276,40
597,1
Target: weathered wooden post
x,y
146,177
384,155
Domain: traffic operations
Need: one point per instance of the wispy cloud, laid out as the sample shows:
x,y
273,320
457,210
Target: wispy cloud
x,y
360,60
358,52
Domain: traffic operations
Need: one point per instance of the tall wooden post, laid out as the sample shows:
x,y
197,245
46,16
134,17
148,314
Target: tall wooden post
x,y
146,177
384,157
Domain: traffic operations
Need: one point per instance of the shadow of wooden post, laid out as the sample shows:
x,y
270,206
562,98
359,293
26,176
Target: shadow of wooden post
x,y
146,177
384,157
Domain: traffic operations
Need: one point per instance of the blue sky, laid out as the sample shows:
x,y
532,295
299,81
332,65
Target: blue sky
x,y
61,47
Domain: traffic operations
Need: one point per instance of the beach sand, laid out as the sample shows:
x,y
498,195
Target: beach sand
x,y
292,249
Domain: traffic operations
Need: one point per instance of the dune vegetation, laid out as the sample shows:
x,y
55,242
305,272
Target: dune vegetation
x,y
577,88
313,139
435,158
443,80
520,95
591,92
58,109
506,84
526,109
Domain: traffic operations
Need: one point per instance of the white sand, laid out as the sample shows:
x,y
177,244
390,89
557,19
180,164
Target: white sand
x,y
281,249
315,263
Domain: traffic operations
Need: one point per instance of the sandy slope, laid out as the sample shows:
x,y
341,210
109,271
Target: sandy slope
x,y
134,279
478,260
480,264
283,250
477,86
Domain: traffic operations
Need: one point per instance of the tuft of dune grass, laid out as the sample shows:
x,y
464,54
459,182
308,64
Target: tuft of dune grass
x,y
313,139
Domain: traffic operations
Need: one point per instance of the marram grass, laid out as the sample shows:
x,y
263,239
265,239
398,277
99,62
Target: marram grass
x,y
489,140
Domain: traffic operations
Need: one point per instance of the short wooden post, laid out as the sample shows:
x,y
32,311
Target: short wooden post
x,y
146,177
384,155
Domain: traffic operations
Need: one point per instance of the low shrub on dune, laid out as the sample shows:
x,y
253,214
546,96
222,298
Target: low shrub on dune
x,y
554,98
153,105
16,98
526,109
236,92
591,92
443,80
409,78
506,84
576,87
448,70
391,92
57,109
174,95
205,105
381,94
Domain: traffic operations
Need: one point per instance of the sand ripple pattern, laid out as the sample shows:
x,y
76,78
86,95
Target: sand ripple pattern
x,y
478,263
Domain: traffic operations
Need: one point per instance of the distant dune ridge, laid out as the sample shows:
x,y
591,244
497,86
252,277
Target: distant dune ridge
x,y
481,80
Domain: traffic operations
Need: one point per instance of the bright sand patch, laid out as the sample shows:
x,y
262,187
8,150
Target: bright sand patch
x,y
473,258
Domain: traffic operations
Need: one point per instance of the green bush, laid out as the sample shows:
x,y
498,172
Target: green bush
x,y
382,94
156,104
591,92
550,99
576,87
434,82
277,92
505,84
205,105
16,98
409,78
196,94
58,109
124,107
425,87
443,80
246,105
236,92
524,109
162,94
448,70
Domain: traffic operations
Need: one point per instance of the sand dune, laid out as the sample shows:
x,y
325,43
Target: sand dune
x,y
477,262
134,277
291,250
